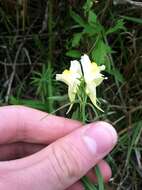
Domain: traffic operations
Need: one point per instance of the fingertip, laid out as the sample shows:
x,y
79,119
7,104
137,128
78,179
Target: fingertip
x,y
100,138
105,172
110,129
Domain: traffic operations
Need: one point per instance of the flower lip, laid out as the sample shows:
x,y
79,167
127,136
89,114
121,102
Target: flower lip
x,y
92,76
71,78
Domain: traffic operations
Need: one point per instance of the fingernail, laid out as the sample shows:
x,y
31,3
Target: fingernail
x,y
100,138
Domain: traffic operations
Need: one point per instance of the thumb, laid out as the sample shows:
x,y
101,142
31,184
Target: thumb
x,y
65,161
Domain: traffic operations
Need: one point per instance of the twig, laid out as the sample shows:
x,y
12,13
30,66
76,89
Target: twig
x,y
14,64
45,20
134,3
10,64
13,73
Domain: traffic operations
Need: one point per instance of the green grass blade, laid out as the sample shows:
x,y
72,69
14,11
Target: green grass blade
x,y
99,178
133,19
135,138
87,184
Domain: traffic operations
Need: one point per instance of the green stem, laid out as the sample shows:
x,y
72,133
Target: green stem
x,y
83,106
50,53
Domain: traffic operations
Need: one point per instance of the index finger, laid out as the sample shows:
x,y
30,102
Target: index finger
x,y
20,123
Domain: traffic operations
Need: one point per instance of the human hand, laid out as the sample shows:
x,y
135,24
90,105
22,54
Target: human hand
x,y
71,152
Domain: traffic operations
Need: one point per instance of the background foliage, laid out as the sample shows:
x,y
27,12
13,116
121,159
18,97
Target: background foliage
x,y
39,38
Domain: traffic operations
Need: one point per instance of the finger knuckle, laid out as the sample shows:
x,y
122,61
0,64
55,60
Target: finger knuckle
x,y
66,163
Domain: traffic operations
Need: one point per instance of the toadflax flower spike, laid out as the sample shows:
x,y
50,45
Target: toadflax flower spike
x,y
72,78
93,77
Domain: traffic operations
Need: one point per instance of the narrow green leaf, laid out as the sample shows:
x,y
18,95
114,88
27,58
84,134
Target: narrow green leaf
x,y
137,131
133,19
87,184
118,76
76,115
99,178
77,18
76,39
31,103
92,17
100,51
119,26
92,30
73,54
88,5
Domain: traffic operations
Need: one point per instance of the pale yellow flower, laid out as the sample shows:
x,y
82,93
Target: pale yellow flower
x,y
72,78
92,77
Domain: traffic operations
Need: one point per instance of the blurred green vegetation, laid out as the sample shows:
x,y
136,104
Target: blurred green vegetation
x,y
39,38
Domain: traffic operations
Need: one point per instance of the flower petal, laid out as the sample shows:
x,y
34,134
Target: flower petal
x,y
72,78
71,93
63,77
93,78
91,91
85,59
75,67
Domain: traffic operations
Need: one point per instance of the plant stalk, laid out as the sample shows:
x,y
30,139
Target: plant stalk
x,y
50,53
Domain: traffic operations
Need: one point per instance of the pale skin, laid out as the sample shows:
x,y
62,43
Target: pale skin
x,y
54,152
